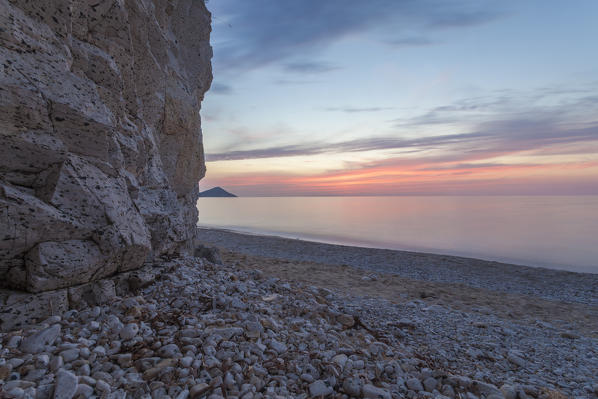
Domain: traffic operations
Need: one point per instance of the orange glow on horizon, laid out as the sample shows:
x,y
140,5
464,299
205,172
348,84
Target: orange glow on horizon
x,y
416,178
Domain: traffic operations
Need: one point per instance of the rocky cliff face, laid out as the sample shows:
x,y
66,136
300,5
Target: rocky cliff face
x,y
100,137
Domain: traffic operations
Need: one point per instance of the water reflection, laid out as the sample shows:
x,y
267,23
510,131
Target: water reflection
x,y
558,232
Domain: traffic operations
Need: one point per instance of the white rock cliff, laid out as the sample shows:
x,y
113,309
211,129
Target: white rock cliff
x,y
100,136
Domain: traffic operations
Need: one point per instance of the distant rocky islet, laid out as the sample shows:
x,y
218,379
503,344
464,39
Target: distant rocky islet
x,y
216,192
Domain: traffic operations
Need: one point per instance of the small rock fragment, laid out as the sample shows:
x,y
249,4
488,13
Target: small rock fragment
x,y
320,388
36,342
66,385
129,331
372,392
414,384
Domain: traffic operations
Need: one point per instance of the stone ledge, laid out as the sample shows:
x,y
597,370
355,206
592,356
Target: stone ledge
x,y
20,309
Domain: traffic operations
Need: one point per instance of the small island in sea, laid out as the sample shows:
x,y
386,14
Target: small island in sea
x,y
216,192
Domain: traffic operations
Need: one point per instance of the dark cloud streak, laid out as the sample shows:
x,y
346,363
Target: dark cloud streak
x,y
220,88
499,137
463,19
260,32
310,67
410,42
352,110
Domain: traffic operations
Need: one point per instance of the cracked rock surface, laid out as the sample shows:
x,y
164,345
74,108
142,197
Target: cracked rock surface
x,y
100,136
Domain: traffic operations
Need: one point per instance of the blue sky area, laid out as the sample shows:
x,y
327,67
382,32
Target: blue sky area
x,y
343,97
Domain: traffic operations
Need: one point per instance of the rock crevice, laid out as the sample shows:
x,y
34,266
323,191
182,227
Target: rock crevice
x,y
100,136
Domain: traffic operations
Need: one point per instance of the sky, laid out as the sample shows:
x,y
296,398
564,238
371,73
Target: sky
x,y
402,97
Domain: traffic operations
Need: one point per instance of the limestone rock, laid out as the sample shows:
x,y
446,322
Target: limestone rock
x,y
66,385
486,389
100,136
373,392
211,254
35,343
352,386
19,309
414,384
320,388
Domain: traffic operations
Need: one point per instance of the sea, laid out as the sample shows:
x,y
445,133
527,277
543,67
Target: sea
x,y
557,232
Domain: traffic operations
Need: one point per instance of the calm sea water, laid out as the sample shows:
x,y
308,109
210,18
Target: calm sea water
x,y
559,232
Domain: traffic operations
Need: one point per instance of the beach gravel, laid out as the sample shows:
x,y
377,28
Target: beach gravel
x,y
538,282
185,335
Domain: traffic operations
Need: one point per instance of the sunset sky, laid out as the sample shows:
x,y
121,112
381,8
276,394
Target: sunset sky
x,y
381,97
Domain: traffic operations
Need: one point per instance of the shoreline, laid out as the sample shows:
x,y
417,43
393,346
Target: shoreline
x,y
340,241
545,283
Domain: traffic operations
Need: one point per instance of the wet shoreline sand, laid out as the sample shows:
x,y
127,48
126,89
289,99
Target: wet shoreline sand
x,y
548,284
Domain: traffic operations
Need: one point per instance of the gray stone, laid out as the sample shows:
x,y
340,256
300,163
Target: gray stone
x,y
124,360
104,291
84,390
84,370
169,351
15,362
42,361
84,353
52,265
14,341
102,386
483,388
569,335
253,329
340,360
56,363
515,357
352,386
228,332
373,392
346,320
198,390
85,379
99,350
129,331
184,394
320,388
211,254
430,384
36,342
459,381
114,324
508,391
66,385
141,279
414,384
277,346
70,355
358,364
94,326
18,309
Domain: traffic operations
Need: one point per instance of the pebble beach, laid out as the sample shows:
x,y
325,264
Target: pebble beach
x,y
265,317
